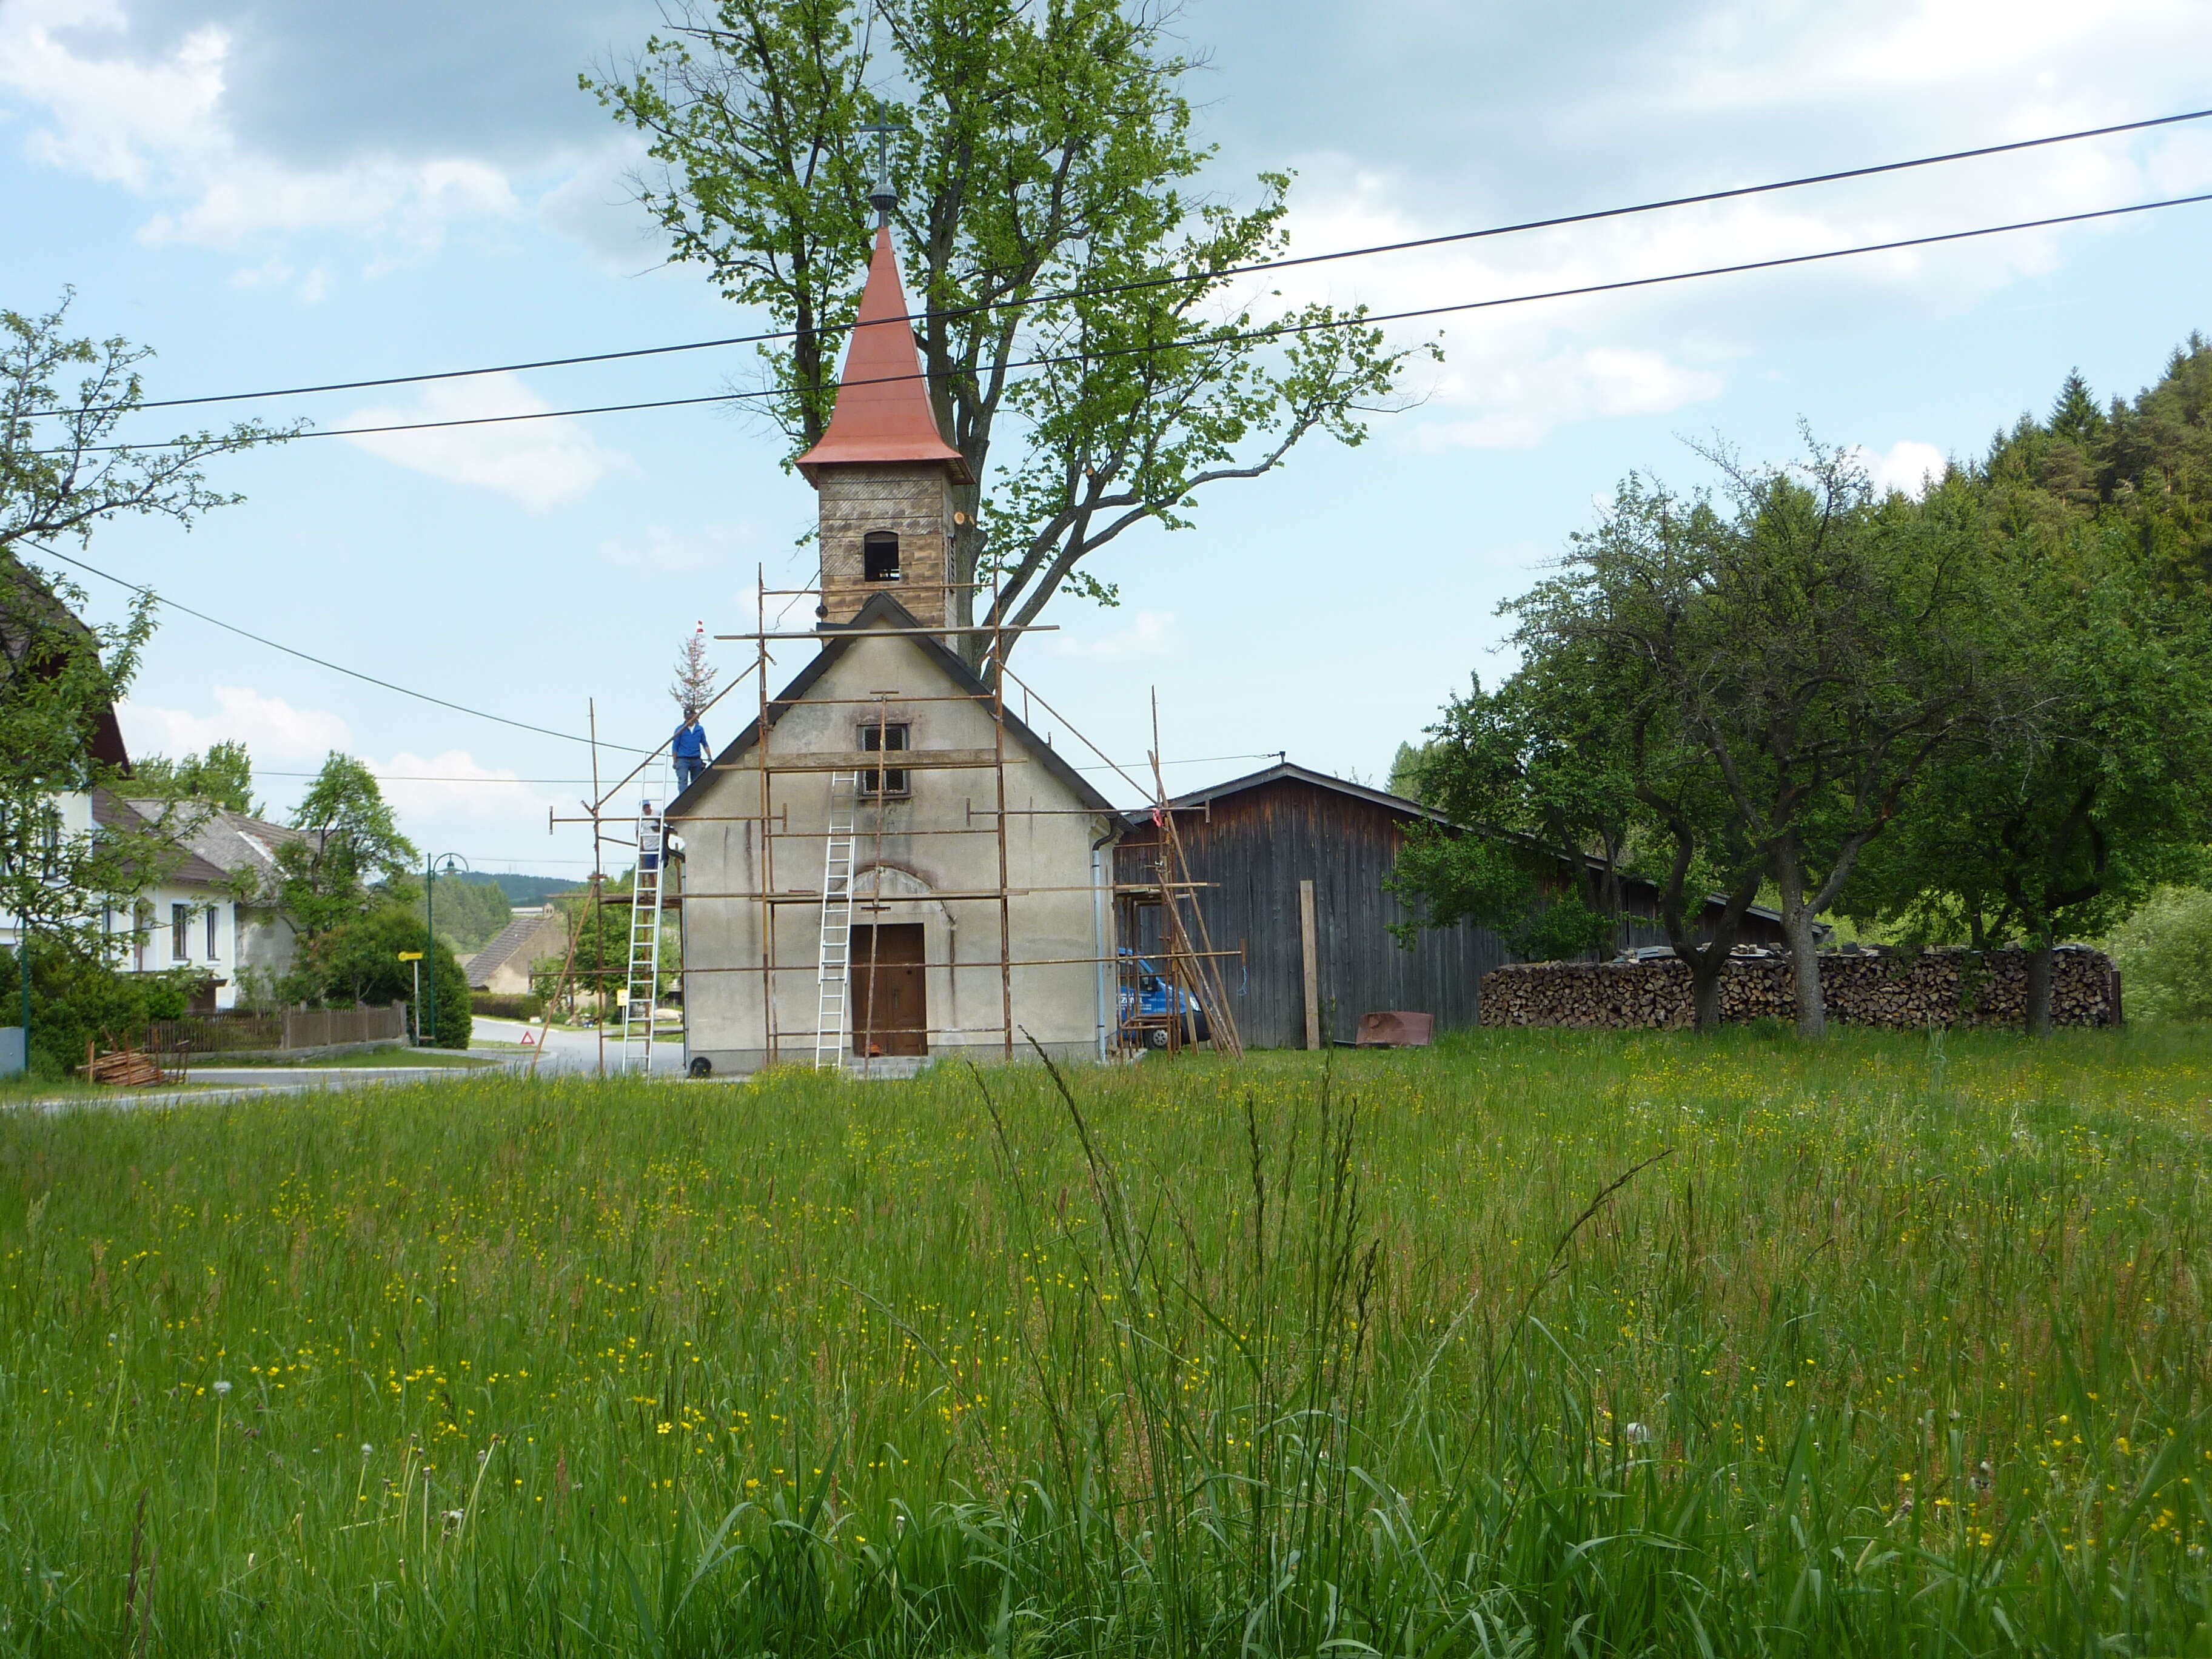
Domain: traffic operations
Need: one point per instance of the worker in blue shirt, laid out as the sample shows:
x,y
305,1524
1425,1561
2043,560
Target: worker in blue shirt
x,y
688,746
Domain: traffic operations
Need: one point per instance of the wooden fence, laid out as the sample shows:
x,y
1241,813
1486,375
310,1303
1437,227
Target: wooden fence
x,y
295,1028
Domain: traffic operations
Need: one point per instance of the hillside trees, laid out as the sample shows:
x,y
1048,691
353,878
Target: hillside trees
x,y
2074,797
1080,356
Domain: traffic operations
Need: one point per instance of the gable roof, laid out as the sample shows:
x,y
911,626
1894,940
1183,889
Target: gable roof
x,y
883,411
29,609
838,639
509,940
1288,771
219,845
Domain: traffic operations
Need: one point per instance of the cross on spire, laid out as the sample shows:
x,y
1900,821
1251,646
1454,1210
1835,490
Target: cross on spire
x,y
882,196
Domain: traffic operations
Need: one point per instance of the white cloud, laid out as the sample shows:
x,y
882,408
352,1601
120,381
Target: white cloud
x,y
541,464
1150,634
667,552
1908,465
273,730
1516,404
158,127
453,788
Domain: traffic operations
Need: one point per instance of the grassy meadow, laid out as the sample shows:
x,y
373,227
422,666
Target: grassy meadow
x,y
1898,1346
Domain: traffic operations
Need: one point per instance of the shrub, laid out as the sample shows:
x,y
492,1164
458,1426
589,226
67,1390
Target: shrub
x,y
526,1007
358,961
2165,956
75,999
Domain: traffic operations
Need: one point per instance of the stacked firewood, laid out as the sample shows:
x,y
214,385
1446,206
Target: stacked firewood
x,y
127,1068
1907,990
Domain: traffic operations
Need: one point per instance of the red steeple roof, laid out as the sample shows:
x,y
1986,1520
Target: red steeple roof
x,y
883,411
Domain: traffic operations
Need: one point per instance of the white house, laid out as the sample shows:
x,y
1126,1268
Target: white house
x,y
214,911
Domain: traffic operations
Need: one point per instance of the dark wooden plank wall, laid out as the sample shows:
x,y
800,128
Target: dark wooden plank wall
x,y
1258,844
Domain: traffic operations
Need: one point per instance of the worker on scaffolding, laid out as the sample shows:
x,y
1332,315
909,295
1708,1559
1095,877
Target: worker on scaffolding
x,y
690,749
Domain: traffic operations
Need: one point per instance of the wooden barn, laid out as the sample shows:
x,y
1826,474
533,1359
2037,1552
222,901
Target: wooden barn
x,y
1253,841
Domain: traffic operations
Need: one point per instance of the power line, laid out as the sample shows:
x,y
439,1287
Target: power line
x,y
1267,332
411,777
321,662
1220,274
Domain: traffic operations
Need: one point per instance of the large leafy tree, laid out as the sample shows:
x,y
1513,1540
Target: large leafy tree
x,y
223,777
352,860
65,466
1535,774
64,471
1046,159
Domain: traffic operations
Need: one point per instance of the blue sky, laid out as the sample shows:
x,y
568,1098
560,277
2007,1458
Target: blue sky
x,y
276,194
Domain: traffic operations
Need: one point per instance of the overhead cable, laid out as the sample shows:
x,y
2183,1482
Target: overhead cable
x,y
322,662
1278,331
1184,279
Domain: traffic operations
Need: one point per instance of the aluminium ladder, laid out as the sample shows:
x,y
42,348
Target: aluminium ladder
x,y
642,1000
834,971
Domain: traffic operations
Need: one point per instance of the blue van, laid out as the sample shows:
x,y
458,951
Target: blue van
x,y
1152,1005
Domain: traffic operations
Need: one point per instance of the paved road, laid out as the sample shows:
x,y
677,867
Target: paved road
x,y
567,1051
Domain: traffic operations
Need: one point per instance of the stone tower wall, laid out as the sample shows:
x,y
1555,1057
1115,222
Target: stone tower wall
x,y
914,502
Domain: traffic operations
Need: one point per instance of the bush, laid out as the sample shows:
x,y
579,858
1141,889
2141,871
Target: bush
x,y
526,1007
358,961
2164,951
76,1000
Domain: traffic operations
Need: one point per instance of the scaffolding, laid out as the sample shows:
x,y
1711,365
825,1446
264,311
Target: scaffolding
x,y
845,1032
849,1030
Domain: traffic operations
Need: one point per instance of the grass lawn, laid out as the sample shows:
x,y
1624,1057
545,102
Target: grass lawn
x,y
1899,1347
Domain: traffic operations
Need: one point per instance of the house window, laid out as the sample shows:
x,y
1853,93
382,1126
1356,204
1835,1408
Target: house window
x,y
879,561
877,738
180,932
211,931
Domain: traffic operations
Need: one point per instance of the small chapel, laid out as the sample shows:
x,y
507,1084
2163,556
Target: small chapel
x,y
887,866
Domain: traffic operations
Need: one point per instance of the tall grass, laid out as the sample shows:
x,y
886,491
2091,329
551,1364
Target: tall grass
x,y
1891,1346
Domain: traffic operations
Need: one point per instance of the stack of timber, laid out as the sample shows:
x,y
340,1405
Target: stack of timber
x,y
1901,990
124,1068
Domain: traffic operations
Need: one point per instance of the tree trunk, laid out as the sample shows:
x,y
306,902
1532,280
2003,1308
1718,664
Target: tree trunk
x,y
2042,958
1705,971
1804,956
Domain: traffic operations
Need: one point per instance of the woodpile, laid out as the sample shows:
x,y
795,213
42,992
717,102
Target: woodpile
x,y
124,1068
1907,990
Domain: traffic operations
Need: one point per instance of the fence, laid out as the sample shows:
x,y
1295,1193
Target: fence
x,y
295,1028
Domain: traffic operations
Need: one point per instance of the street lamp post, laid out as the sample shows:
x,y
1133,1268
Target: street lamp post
x,y
448,863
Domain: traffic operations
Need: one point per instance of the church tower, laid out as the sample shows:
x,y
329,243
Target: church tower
x,y
883,470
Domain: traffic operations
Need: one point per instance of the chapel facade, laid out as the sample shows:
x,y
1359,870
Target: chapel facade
x,y
887,866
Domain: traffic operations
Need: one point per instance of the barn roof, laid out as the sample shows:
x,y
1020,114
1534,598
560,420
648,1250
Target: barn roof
x,y
1289,772
838,639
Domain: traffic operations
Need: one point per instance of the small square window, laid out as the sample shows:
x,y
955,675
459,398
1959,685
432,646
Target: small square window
x,y
880,739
